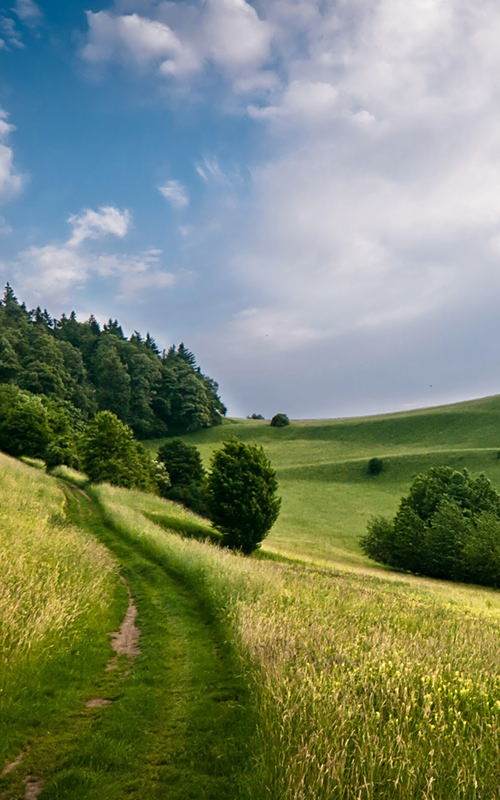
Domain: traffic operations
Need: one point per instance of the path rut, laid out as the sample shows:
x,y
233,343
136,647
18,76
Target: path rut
x,y
177,726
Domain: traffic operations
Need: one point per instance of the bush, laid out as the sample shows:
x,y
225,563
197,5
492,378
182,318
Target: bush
x,y
447,527
481,553
162,478
242,489
182,461
194,496
375,466
110,453
280,421
255,416
61,452
378,541
24,423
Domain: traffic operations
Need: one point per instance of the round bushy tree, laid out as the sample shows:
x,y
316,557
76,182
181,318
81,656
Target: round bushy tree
x,y
24,424
448,526
242,495
182,461
375,466
110,453
280,420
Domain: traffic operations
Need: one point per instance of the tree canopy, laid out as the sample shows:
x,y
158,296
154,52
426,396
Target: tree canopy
x,y
448,526
99,369
242,492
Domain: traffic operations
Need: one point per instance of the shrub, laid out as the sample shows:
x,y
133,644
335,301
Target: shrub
x,y
193,496
110,453
182,461
24,424
481,552
280,420
162,478
60,452
255,416
375,466
378,540
242,493
447,527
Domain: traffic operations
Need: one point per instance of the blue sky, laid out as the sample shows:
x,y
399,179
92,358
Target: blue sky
x,y
305,191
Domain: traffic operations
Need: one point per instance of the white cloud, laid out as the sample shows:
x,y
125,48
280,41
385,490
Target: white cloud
x,y
11,181
236,38
106,221
10,34
179,41
175,193
28,11
130,38
302,99
58,269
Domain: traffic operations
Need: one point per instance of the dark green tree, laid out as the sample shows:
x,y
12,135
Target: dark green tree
x,y
242,492
109,453
24,424
182,461
448,526
112,380
280,420
375,466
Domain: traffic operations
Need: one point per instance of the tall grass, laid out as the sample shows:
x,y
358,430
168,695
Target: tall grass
x,y
365,689
56,585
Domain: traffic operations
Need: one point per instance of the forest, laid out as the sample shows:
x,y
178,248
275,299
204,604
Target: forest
x,y
88,368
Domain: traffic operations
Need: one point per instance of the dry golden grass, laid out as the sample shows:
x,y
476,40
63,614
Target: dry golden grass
x,y
365,689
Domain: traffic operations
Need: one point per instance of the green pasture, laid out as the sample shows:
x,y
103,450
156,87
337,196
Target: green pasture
x,y
322,468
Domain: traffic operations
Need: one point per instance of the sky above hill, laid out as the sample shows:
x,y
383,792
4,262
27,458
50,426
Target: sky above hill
x,y
305,191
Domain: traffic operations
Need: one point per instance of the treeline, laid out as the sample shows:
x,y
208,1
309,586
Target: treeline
x,y
88,368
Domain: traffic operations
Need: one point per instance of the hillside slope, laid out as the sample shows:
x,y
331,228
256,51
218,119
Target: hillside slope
x,y
328,496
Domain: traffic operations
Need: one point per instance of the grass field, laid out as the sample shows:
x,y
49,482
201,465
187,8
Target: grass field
x,y
362,688
324,678
328,496
59,598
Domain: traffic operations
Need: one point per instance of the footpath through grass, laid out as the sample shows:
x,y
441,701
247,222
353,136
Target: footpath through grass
x,y
365,689
175,723
59,597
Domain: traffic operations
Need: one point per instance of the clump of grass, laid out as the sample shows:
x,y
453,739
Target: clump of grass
x,y
365,689
55,588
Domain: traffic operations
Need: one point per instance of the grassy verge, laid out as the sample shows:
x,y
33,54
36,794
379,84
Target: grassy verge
x,y
365,689
59,597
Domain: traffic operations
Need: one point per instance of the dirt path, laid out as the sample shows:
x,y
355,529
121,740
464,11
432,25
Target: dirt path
x,y
173,723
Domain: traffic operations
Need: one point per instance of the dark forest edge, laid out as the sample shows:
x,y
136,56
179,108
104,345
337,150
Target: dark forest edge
x,y
84,368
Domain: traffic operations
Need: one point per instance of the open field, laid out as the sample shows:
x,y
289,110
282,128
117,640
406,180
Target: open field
x,y
255,678
321,465
363,688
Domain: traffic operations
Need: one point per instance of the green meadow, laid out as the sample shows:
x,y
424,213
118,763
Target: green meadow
x,y
327,494
304,672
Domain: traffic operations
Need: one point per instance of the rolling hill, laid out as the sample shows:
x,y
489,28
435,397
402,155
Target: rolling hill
x,y
322,468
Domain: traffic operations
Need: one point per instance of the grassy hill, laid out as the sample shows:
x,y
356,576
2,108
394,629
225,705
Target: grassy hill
x,y
245,678
327,494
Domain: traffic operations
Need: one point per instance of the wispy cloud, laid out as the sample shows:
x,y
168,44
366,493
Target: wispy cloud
x,y
106,221
58,269
28,11
176,193
11,182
